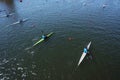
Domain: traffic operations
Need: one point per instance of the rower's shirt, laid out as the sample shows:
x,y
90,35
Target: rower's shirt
x,y
43,36
85,50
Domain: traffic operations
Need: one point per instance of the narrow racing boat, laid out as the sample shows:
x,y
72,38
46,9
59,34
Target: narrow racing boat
x,y
41,40
18,22
84,53
7,15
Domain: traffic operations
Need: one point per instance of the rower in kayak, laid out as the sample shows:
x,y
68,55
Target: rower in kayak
x,y
43,37
89,56
20,21
7,15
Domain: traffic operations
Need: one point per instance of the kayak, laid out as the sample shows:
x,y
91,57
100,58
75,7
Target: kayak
x,y
41,40
18,22
2,10
7,15
84,54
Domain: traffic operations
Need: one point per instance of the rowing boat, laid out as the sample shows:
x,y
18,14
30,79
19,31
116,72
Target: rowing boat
x,y
84,54
7,15
18,22
41,40
2,10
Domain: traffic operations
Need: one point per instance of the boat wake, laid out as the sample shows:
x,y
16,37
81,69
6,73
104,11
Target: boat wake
x,y
28,48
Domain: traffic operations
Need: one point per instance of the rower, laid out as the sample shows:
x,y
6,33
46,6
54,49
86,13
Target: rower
x,y
20,21
44,37
85,50
7,15
104,5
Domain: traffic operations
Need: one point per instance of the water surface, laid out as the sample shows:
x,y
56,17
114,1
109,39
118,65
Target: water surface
x,y
75,23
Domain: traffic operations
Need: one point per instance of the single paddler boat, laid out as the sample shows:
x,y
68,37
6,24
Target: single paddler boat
x,y
84,54
7,15
41,40
18,22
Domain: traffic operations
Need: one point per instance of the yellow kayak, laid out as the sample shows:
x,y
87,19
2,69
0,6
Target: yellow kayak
x,y
41,40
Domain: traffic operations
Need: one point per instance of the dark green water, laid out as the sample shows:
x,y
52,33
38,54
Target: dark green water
x,y
57,58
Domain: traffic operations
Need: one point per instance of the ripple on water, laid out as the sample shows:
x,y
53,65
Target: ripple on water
x,y
24,75
20,68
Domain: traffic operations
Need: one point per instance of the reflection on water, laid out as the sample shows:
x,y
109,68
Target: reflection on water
x,y
10,5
